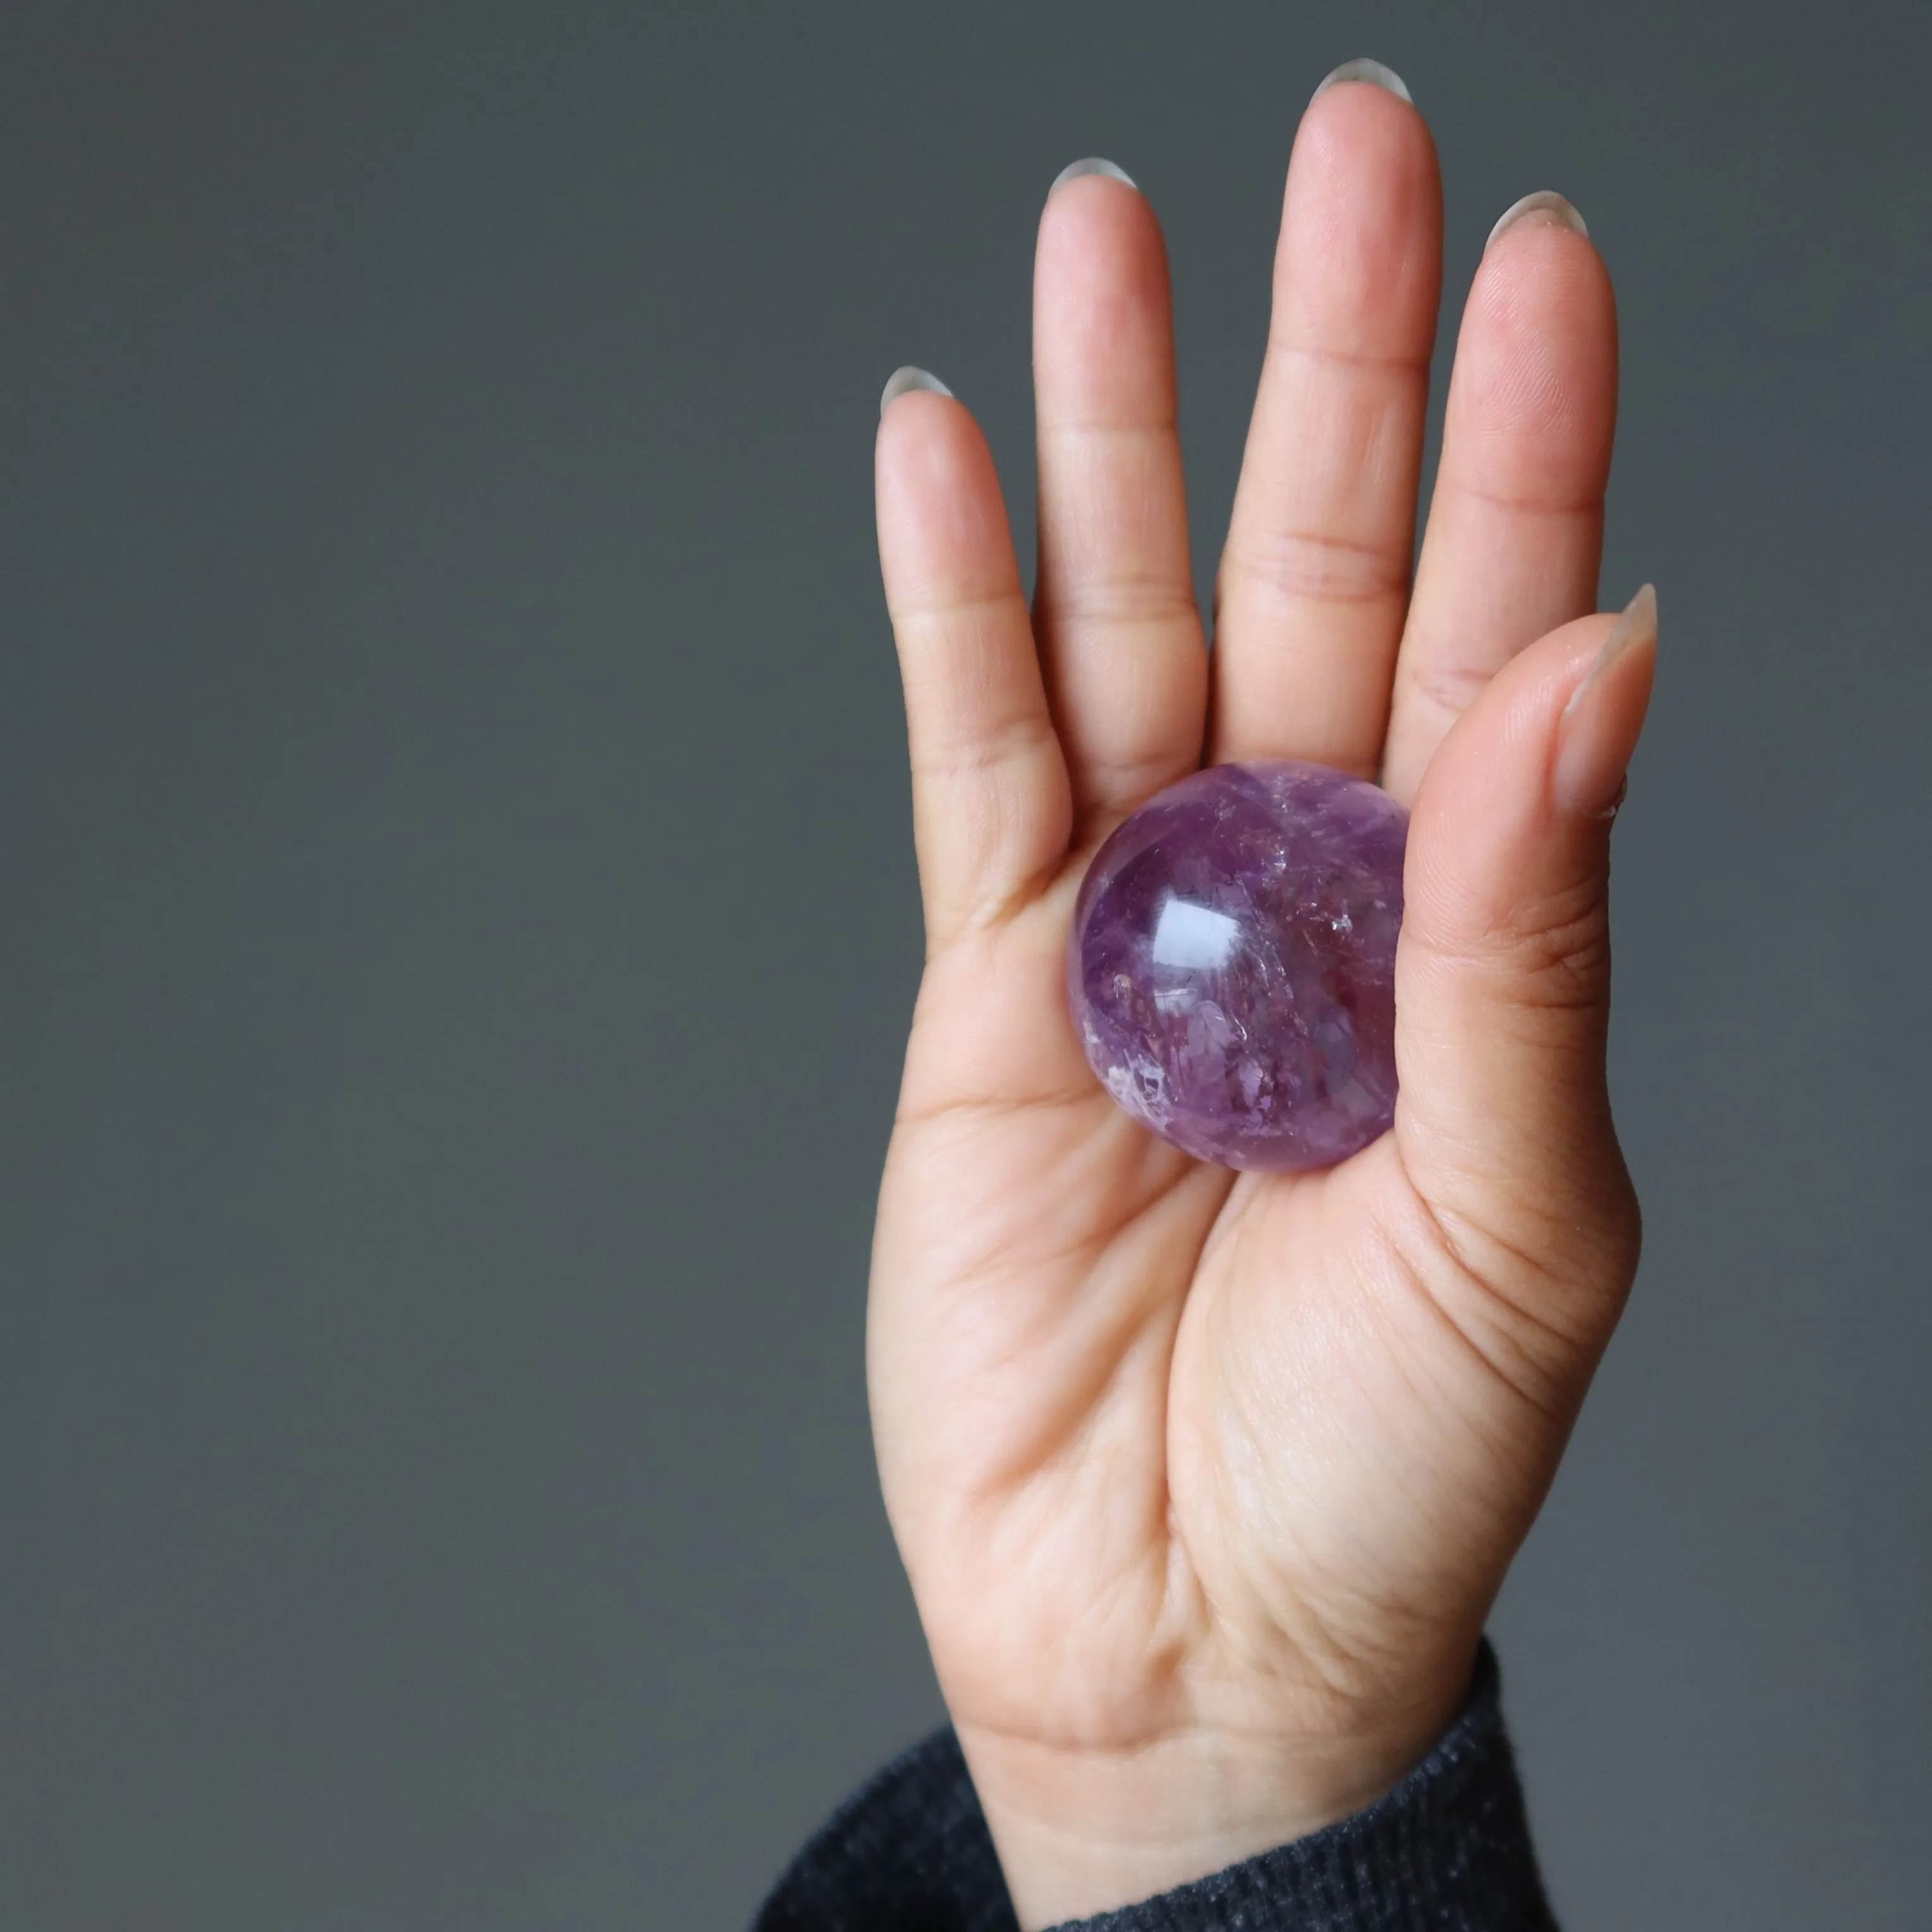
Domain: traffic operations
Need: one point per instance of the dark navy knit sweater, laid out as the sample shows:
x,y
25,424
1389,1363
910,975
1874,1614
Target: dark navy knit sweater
x,y
1447,1850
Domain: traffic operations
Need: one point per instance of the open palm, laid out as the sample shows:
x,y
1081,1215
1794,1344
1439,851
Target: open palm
x,y
1205,1482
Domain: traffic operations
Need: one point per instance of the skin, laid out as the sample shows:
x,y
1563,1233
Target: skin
x,y
1205,1483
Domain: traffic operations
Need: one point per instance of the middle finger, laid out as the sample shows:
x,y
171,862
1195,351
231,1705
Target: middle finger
x,y
1314,579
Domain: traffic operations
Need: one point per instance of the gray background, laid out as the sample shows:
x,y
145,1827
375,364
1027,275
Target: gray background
x,y
459,920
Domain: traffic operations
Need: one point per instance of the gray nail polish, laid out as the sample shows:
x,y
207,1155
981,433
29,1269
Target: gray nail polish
x,y
901,380
1637,624
1548,207
1093,165
1372,71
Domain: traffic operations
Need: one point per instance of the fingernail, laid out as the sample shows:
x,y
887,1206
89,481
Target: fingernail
x,y
1545,208
1372,71
1596,736
1093,165
902,380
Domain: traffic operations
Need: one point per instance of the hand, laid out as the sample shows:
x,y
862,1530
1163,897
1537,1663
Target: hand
x,y
1205,1483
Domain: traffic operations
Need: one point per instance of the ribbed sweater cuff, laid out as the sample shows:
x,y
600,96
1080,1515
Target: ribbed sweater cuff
x,y
1447,1850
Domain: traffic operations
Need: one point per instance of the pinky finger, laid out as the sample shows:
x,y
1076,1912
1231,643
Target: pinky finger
x,y
992,807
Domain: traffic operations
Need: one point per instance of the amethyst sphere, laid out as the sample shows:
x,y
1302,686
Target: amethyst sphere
x,y
1232,965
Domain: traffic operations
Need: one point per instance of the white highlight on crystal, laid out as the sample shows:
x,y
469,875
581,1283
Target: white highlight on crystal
x,y
1194,936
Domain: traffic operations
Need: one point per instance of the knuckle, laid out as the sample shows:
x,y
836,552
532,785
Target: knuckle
x,y
1450,684
1315,566
1535,1288
1549,953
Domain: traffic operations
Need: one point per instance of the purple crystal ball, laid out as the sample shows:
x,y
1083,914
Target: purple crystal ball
x,y
1232,965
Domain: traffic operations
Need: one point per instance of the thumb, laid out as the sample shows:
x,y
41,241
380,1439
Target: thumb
x,y
1503,976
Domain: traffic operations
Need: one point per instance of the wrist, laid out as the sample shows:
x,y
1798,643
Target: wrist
x,y
1082,1830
